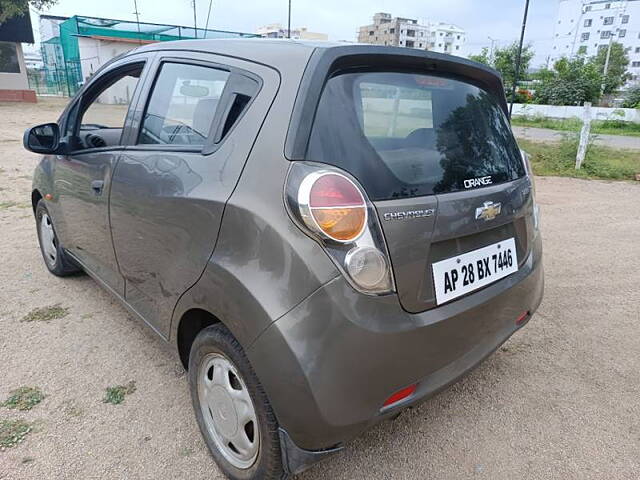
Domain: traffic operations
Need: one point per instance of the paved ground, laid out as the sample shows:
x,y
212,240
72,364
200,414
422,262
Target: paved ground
x,y
560,400
548,135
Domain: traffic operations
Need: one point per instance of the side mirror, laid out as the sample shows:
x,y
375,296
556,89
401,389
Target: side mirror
x,y
43,138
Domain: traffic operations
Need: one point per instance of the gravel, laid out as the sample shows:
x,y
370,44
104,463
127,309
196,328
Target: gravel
x,y
559,400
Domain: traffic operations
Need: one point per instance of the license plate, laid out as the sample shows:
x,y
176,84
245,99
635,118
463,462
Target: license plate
x,y
459,275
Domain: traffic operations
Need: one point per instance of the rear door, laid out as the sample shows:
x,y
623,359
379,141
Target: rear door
x,y
437,156
197,127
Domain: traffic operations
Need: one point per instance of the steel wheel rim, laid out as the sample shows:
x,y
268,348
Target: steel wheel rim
x,y
228,411
48,240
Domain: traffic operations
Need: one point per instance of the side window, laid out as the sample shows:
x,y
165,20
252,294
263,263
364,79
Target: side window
x,y
182,105
108,105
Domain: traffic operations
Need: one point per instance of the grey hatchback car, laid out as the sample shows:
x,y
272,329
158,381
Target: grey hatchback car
x,y
325,234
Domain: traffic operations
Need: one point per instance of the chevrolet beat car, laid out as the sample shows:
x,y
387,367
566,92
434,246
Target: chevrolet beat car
x,y
325,234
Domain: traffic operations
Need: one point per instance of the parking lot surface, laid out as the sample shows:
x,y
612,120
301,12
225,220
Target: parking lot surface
x,y
558,400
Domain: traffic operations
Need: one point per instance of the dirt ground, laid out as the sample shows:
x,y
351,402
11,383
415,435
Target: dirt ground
x,y
561,399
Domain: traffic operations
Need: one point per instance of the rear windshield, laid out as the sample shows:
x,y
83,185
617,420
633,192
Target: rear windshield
x,y
408,135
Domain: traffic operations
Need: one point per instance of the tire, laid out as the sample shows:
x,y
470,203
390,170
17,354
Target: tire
x,y
220,376
54,256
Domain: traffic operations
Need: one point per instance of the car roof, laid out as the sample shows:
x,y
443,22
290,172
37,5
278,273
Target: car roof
x,y
280,53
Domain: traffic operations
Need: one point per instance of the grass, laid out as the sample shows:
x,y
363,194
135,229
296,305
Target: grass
x,y
604,127
115,395
600,163
12,432
24,398
46,314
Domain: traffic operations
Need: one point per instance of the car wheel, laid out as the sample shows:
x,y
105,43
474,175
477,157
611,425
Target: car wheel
x,y
232,409
55,258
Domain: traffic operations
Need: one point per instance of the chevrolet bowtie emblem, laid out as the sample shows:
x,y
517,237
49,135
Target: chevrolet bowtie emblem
x,y
488,211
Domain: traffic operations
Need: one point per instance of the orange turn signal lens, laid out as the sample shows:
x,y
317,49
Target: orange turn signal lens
x,y
340,223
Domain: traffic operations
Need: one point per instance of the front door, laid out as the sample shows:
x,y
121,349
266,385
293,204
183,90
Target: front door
x,y
171,184
83,177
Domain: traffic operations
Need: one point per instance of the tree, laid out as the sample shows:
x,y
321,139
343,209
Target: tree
x,y
16,8
572,81
504,60
632,98
482,57
617,73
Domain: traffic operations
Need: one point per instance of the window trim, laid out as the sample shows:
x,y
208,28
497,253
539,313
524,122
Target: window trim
x,y
210,146
85,97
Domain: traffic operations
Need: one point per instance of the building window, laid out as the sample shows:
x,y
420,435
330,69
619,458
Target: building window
x,y
441,33
392,30
410,43
588,22
602,47
439,44
411,33
422,34
637,49
401,31
585,36
635,64
605,34
587,8
401,42
625,19
608,21
582,50
607,6
457,47
622,33
9,58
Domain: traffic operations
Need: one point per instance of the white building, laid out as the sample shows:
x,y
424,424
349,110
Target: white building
x,y
585,26
276,30
408,32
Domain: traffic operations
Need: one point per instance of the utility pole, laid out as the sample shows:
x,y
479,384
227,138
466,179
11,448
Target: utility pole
x,y
519,57
195,23
289,22
137,14
493,42
621,6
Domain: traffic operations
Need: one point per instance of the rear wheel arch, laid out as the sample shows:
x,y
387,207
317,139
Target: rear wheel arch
x,y
191,323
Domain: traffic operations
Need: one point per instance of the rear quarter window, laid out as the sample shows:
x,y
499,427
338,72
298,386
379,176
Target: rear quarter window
x,y
407,135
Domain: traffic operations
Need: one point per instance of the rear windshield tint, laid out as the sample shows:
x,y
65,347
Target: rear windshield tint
x,y
408,135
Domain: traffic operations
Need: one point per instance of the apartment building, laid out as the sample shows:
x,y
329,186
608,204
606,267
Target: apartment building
x,y
408,32
276,30
586,26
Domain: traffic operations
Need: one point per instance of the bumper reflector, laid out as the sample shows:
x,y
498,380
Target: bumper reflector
x,y
521,319
400,395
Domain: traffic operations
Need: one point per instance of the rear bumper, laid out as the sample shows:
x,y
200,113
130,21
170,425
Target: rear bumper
x,y
329,364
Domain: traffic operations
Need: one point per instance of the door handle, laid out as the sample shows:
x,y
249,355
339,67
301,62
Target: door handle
x,y
96,186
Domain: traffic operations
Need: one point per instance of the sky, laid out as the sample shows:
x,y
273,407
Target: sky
x,y
340,19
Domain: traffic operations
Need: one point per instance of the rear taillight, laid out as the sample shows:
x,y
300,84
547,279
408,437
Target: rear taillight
x,y
337,207
526,159
331,207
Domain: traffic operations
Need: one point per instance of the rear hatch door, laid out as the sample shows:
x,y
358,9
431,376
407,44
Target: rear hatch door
x,y
436,155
